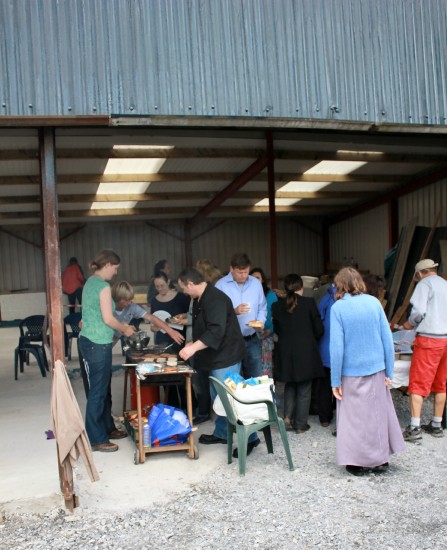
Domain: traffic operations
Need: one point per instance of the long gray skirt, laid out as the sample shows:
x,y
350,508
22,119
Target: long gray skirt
x,y
368,431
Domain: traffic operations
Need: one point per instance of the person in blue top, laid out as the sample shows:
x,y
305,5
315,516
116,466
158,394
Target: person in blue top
x,y
267,337
362,364
95,344
247,295
324,390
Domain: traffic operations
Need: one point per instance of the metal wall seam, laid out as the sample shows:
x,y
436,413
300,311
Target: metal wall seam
x,y
364,237
424,204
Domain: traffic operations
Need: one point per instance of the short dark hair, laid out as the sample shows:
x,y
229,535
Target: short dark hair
x,y
161,275
159,266
240,260
190,274
374,284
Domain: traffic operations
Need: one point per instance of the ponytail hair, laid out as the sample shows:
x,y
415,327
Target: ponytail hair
x,y
106,256
292,284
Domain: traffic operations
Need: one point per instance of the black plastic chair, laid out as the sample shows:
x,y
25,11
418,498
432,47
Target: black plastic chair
x,y
71,330
31,341
135,322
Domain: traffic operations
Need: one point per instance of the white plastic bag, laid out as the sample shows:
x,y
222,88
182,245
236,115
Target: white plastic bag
x,y
248,414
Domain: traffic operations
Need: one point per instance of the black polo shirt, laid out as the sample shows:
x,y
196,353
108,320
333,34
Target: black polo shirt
x,y
214,323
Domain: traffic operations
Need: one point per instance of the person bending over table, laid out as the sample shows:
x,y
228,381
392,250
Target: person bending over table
x,y
126,310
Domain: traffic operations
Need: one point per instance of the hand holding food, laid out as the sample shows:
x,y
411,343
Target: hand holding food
x,y
257,325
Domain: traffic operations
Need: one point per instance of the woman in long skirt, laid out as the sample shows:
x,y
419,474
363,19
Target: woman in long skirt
x,y
362,363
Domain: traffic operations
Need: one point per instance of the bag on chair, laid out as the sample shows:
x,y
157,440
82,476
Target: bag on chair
x,y
248,414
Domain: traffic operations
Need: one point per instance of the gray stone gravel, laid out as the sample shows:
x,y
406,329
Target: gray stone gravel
x,y
318,505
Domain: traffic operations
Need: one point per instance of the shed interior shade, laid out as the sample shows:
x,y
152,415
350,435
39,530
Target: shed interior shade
x,y
136,174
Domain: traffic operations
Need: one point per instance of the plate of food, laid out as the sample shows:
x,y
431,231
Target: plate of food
x,y
166,317
255,324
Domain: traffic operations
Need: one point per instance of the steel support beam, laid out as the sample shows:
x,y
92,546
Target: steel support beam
x,y
229,191
413,185
52,263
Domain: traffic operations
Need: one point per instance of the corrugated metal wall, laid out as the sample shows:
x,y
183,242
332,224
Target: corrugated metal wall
x,y
364,237
299,249
140,246
366,60
425,204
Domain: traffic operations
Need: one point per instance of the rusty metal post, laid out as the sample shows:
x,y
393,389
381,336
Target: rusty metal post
x,y
50,225
52,264
272,211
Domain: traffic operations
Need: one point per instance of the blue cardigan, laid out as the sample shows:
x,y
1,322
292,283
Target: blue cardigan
x,y
361,343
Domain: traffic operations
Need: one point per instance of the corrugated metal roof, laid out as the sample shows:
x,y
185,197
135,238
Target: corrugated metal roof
x,y
364,60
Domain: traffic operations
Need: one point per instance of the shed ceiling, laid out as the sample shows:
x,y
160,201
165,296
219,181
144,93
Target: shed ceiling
x,y
120,174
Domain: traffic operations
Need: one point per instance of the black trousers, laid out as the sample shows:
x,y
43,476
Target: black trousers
x,y
324,397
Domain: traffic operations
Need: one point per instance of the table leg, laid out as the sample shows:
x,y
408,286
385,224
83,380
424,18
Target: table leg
x,y
126,375
140,427
189,412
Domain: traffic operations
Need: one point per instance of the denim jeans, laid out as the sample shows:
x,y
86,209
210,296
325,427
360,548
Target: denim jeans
x,y
98,366
251,363
220,427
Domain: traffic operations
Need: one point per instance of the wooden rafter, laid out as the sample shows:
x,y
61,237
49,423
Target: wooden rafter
x,y
152,152
203,195
206,177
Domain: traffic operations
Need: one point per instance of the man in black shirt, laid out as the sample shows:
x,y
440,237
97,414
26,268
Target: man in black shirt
x,y
217,346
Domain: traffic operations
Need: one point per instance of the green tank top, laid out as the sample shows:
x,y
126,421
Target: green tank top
x,y
93,326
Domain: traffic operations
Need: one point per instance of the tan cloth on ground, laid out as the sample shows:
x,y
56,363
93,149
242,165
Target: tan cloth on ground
x,y
68,426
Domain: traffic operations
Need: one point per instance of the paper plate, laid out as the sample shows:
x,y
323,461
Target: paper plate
x,y
164,315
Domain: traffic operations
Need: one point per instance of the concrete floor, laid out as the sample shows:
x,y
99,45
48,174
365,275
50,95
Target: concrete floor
x,y
28,461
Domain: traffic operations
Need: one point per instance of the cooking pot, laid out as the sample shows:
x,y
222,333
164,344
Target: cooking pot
x,y
138,341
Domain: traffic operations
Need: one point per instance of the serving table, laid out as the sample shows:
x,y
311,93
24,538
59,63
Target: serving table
x,y
168,377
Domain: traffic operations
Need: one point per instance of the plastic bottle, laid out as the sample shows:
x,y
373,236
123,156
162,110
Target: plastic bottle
x,y
146,433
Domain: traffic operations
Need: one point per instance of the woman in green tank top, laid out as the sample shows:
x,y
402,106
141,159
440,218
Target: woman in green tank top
x,y
95,344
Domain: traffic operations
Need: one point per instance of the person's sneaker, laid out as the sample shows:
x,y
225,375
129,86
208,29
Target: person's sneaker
x,y
412,433
430,429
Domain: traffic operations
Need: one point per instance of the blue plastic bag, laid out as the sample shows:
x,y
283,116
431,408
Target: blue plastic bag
x,y
169,426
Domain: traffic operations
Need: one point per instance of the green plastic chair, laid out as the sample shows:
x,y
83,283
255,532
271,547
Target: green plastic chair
x,y
243,431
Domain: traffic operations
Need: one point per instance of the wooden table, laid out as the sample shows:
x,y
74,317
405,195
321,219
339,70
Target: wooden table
x,y
160,379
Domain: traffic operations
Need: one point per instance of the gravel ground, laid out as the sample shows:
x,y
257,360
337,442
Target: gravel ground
x,y
318,505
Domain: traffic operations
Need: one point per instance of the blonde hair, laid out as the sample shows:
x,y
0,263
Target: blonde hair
x,y
122,291
210,272
349,281
106,256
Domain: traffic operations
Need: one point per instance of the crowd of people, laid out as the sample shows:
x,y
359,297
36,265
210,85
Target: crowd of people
x,y
333,348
